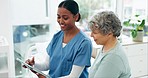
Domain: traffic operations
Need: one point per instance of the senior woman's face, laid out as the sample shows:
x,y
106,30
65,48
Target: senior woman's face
x,y
99,38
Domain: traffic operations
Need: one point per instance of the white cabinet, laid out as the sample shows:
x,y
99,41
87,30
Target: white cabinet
x,y
4,49
138,58
30,11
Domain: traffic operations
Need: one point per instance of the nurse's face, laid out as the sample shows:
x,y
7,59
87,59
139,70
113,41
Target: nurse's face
x,y
65,19
99,38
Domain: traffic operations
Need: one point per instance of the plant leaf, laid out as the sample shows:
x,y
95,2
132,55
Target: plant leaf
x,y
142,23
133,24
136,15
134,33
127,23
138,20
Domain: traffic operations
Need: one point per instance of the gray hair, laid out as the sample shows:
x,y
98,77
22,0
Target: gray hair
x,y
106,22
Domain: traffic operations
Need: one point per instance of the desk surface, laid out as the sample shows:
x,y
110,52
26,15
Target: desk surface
x,y
129,41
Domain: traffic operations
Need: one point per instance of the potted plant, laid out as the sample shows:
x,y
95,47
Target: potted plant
x,y
137,28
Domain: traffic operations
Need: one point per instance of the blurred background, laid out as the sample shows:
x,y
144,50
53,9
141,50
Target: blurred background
x,y
28,27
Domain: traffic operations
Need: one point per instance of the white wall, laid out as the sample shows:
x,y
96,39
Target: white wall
x,y
7,13
6,30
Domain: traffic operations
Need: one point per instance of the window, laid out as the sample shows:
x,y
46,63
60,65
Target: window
x,y
125,9
132,8
90,7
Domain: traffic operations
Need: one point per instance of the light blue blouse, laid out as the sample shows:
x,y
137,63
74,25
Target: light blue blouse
x,y
76,52
113,64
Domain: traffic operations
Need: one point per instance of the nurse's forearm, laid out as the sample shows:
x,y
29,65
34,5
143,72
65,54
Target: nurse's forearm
x,y
42,63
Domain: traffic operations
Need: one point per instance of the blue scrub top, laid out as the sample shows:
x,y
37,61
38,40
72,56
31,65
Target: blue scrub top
x,y
76,52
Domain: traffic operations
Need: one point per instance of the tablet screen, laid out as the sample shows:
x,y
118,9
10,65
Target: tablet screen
x,y
32,68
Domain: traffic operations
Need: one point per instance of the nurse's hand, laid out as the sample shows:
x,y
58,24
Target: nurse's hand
x,y
30,62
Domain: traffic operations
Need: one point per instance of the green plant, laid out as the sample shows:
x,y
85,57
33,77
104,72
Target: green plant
x,y
137,26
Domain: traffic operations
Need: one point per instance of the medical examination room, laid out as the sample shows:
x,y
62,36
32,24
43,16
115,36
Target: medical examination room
x,y
99,39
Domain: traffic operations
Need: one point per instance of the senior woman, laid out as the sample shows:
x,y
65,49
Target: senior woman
x,y
111,61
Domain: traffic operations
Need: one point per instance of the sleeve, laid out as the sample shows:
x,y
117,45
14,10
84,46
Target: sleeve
x,y
76,72
42,61
84,54
111,67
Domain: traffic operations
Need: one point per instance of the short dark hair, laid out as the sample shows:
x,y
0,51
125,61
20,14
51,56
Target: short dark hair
x,y
71,6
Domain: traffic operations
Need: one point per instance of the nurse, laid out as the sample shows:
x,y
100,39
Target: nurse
x,y
69,51
111,61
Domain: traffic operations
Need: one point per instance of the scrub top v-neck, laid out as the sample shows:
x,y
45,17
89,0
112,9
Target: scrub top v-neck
x,y
76,52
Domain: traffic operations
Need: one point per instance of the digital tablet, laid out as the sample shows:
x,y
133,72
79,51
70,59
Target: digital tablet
x,y
32,68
